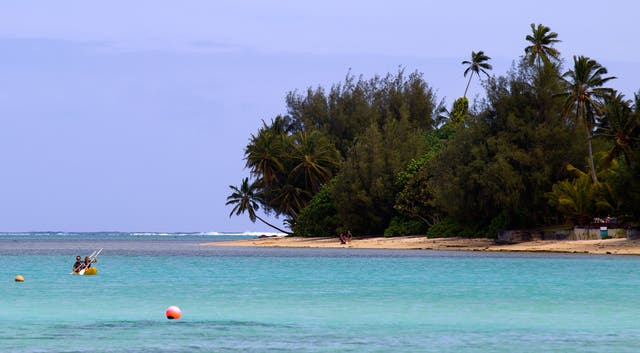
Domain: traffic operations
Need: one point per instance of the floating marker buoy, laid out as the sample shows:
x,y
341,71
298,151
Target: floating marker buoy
x,y
19,278
173,313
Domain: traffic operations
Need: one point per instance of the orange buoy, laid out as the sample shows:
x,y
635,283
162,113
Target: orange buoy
x,y
19,278
173,313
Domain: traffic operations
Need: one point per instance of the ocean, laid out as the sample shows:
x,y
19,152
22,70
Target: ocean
x,y
236,299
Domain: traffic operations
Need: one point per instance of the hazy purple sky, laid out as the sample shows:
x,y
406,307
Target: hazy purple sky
x,y
133,115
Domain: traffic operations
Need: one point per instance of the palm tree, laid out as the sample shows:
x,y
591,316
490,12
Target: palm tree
x,y
315,159
541,44
579,198
264,155
312,161
245,199
620,125
477,64
585,93
290,200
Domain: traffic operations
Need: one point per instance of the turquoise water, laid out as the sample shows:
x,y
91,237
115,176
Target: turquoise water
x,y
310,300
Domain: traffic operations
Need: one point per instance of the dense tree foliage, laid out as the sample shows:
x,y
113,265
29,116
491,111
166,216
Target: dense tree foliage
x,y
381,156
508,155
365,190
350,107
320,217
368,130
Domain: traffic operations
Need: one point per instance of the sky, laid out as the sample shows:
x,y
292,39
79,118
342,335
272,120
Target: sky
x,y
134,115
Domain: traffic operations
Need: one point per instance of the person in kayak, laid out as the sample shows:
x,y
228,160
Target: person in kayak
x,y
87,262
78,265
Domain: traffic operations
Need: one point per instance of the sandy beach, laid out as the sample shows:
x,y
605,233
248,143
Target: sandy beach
x,y
619,246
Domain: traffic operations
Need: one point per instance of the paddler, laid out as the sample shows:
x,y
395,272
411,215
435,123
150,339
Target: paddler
x,y
88,261
78,265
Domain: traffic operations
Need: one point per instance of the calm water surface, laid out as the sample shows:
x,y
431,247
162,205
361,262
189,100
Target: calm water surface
x,y
309,300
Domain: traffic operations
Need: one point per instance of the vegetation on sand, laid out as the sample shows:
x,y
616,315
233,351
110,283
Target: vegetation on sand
x,y
545,146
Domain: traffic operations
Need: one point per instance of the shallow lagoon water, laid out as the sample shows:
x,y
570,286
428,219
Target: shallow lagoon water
x,y
309,300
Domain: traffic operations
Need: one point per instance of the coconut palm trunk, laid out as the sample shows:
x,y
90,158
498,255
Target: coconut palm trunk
x,y
592,166
271,225
466,88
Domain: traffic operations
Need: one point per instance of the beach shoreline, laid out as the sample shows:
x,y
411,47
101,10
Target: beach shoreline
x,y
617,246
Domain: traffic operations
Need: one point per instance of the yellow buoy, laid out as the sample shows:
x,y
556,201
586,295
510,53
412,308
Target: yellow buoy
x,y
19,278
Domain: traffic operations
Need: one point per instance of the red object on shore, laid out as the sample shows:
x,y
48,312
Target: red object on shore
x,y
173,313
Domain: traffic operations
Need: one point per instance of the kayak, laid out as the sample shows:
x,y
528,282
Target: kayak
x,y
90,271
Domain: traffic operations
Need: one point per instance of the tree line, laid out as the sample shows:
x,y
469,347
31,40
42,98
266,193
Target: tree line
x,y
547,145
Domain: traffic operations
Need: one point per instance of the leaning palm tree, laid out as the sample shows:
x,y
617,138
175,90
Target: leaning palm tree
x,y
584,95
541,48
245,199
477,64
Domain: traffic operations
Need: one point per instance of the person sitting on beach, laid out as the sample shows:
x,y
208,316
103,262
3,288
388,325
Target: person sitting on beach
x,y
78,265
349,236
343,238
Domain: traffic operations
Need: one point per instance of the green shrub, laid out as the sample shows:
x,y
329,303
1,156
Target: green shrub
x,y
449,228
445,229
319,218
400,227
498,223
